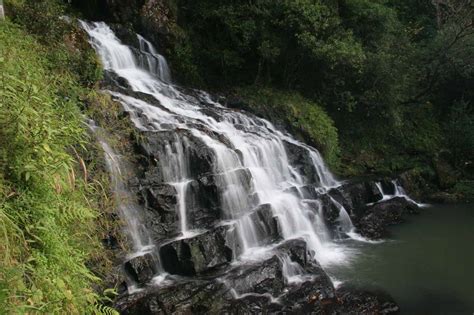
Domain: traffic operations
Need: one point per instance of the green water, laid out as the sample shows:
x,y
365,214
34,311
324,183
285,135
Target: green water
x,y
427,266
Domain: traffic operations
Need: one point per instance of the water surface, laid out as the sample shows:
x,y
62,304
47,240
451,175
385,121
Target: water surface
x,y
427,265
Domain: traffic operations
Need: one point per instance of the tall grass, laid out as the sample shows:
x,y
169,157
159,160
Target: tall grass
x,y
48,214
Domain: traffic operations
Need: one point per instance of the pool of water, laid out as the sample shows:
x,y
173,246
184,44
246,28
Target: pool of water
x,y
427,265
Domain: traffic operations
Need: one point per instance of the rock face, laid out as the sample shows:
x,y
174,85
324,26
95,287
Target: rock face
x,y
211,283
259,289
266,224
300,158
142,268
356,301
198,254
355,196
376,218
217,286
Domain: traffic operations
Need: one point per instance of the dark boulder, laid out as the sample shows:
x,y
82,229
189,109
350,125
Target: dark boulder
x,y
388,187
198,254
296,249
203,203
153,145
113,81
161,215
266,224
330,210
162,199
355,301
373,224
355,196
258,289
185,297
310,297
300,158
141,268
264,277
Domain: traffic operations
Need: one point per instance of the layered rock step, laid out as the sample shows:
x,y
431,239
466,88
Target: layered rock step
x,y
257,288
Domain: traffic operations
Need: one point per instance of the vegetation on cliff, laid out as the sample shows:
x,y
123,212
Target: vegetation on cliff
x,y
51,203
303,118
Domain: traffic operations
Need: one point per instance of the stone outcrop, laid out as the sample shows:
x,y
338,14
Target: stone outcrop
x,y
376,218
198,254
141,268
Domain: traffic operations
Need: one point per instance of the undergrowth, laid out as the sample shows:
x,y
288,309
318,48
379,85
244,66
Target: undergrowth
x,y
305,118
49,206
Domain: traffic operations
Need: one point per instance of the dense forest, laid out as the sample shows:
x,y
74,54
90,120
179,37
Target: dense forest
x,y
394,76
382,88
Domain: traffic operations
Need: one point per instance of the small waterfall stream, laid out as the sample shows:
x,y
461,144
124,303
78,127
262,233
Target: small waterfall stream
x,y
398,191
129,210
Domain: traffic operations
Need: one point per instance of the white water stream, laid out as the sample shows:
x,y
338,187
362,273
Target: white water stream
x,y
252,146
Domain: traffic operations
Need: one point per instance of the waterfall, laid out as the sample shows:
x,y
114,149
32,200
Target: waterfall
x,y
250,160
152,61
344,219
129,210
398,192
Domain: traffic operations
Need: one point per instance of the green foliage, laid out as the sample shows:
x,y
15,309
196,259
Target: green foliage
x,y
267,41
68,49
305,118
388,72
459,129
47,211
465,189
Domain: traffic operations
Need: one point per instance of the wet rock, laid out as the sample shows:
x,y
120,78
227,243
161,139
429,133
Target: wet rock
x,y
113,80
373,224
185,297
356,301
355,196
142,268
265,277
197,254
161,215
253,289
330,211
266,224
306,191
202,156
110,241
163,199
296,249
203,203
300,158
126,35
388,187
310,297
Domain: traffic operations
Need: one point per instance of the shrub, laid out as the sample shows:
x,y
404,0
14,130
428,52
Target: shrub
x,y
301,116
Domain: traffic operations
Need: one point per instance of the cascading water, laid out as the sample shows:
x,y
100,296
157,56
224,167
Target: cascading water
x,y
150,59
140,239
250,164
398,191
130,211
